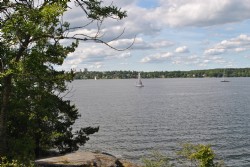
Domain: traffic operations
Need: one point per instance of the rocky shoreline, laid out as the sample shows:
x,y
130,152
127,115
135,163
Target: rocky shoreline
x,y
84,159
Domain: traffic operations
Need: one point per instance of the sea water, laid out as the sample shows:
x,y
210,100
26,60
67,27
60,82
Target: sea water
x,y
164,114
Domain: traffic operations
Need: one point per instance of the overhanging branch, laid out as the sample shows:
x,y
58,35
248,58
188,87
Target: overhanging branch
x,y
100,41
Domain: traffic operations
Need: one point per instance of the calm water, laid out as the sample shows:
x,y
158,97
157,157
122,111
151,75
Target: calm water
x,y
165,113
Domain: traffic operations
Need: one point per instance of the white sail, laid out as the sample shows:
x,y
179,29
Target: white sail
x,y
139,82
223,77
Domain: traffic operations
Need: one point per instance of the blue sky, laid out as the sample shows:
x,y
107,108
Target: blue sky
x,y
169,35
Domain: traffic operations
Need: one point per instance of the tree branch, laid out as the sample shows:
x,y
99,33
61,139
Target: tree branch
x,y
101,41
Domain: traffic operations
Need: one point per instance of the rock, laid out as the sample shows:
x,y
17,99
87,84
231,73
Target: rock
x,y
84,159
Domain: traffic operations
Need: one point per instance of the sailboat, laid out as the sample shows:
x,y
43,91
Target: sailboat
x,y
223,77
95,78
139,82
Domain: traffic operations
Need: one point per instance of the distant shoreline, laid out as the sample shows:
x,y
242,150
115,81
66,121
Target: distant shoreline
x,y
211,73
160,78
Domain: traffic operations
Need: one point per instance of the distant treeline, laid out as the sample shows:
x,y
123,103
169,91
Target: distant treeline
x,y
229,72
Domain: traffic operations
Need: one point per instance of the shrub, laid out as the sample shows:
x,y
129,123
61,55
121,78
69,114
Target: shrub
x,y
157,159
199,155
4,162
190,155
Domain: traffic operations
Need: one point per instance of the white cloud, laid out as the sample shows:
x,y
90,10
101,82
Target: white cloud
x,y
121,43
173,13
240,49
93,54
161,44
238,44
200,61
73,66
82,33
214,51
139,21
74,61
150,25
124,55
157,58
203,13
182,49
193,60
96,65
139,43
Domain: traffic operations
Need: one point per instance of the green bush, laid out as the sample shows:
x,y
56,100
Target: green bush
x,y
4,162
199,155
157,159
21,149
190,155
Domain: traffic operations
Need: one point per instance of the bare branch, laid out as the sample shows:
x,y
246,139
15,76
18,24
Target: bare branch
x,y
79,4
99,24
73,28
116,38
100,41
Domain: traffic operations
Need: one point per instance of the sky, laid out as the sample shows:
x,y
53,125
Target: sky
x,y
168,35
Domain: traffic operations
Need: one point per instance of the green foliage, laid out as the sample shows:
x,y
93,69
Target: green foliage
x,y
157,159
34,116
199,155
69,142
190,155
4,162
21,149
232,72
95,10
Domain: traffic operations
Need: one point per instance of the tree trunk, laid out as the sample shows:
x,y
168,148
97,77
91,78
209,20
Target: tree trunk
x,y
2,133
6,92
4,110
37,149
